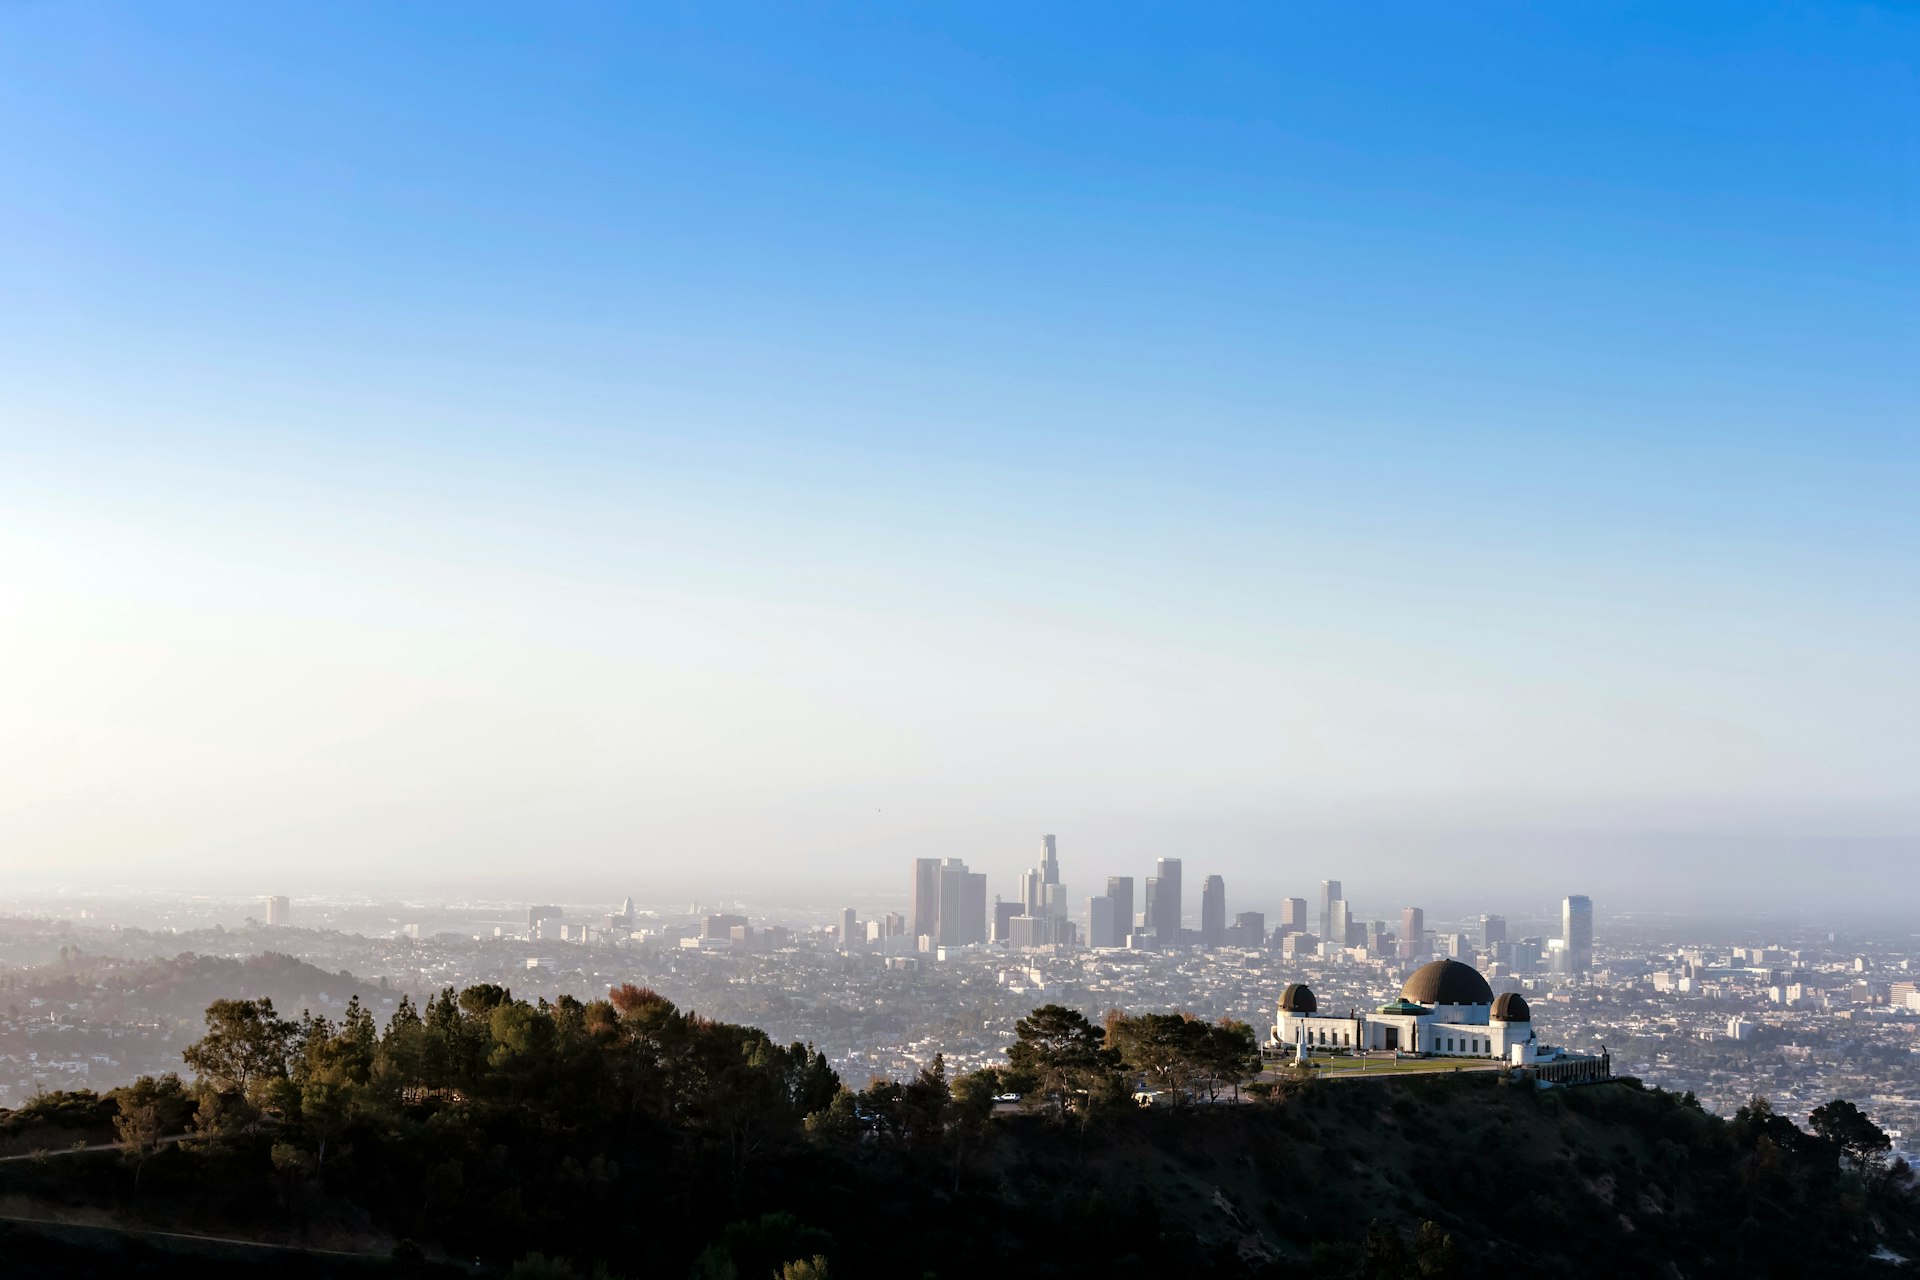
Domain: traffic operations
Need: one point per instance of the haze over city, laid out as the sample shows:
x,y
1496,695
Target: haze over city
x,y
851,641
701,453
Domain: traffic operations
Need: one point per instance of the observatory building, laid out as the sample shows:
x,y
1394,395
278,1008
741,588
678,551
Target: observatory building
x,y
1445,1009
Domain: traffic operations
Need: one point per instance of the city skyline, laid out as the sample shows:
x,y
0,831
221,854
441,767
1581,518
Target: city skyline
x,y
844,642
1040,916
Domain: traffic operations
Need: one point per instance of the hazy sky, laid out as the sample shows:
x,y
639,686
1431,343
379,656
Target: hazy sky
x,y
687,447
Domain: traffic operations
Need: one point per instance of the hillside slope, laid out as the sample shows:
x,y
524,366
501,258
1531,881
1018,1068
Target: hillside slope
x,y
629,1136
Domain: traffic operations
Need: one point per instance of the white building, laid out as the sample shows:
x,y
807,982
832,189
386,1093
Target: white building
x,y
1445,1009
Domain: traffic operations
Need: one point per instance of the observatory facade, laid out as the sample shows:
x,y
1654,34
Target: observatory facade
x,y
1445,1009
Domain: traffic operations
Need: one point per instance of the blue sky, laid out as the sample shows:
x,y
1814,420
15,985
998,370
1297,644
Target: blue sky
x,y
1298,439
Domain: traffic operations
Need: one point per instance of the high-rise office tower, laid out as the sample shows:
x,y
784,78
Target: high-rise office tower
x,y
1329,893
1003,916
720,927
1493,931
1040,888
279,910
1339,924
1120,889
1293,915
1033,891
1100,922
850,932
973,904
1413,933
949,917
960,907
1213,912
1150,910
1249,929
1576,926
926,897
1166,919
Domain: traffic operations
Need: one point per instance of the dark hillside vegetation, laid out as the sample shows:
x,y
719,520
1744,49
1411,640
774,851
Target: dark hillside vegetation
x,y
627,1137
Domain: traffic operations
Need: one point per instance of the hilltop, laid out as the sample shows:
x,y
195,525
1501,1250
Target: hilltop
x,y
629,1136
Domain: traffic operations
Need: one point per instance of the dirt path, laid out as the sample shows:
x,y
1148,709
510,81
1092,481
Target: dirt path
x,y
153,1233
50,1152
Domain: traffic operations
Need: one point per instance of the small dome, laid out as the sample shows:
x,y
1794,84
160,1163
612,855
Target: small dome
x,y
1446,982
1509,1007
1297,999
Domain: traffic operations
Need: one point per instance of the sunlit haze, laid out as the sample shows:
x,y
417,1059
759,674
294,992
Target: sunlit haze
x,y
727,450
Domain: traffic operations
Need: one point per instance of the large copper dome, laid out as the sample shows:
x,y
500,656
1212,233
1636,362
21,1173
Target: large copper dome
x,y
1446,982
1297,999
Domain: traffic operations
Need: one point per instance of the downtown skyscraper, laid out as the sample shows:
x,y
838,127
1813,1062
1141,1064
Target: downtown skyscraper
x,y
949,902
1493,932
926,897
1576,930
1165,901
1120,890
1213,912
1040,887
1102,930
1413,933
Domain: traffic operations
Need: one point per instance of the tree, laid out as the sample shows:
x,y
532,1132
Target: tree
x,y
926,1100
812,1082
358,1042
245,1042
757,1247
1383,1253
738,1092
1232,1053
1436,1255
402,1060
1845,1126
146,1111
1170,1050
1757,1121
972,1114
839,1119
240,1059
1059,1053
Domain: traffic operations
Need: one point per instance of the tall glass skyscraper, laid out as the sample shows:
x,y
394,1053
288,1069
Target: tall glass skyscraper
x,y
1166,904
1120,889
1493,931
1576,927
1213,912
926,897
1413,933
